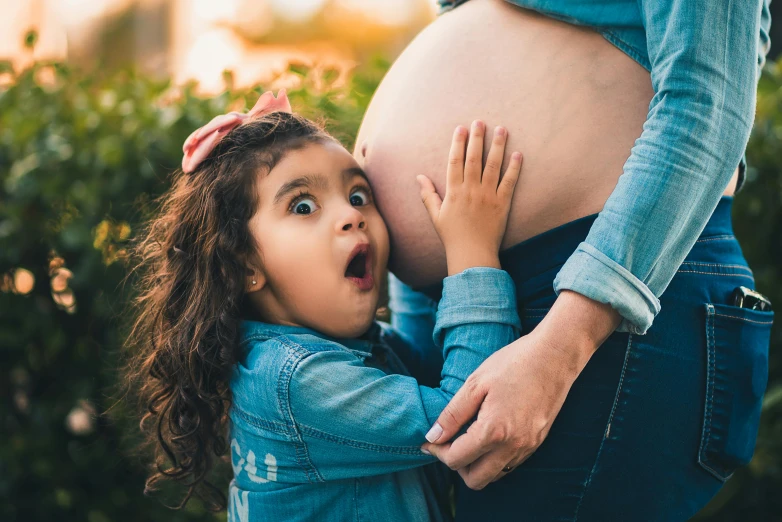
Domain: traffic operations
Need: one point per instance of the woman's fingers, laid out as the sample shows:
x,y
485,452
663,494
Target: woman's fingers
x,y
453,455
429,195
438,450
469,447
491,172
508,182
513,465
486,469
455,172
463,407
473,163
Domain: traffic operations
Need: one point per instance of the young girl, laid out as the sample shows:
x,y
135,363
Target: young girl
x,y
257,321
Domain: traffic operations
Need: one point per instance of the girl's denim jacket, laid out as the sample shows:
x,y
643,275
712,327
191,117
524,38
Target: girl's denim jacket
x,y
330,429
705,59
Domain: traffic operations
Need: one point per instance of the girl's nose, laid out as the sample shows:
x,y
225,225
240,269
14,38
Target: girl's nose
x,y
351,219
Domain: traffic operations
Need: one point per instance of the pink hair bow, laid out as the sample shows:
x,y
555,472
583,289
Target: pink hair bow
x,y
201,142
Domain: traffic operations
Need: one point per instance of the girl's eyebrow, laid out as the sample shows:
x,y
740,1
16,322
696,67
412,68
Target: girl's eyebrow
x,y
308,181
352,172
315,181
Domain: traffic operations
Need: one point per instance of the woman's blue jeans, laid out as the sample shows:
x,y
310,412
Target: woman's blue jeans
x,y
656,423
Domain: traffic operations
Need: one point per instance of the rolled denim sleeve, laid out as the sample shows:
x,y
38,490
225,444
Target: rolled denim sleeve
x,y
355,420
704,75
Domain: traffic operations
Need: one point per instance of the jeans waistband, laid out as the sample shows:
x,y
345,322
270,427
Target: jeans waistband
x,y
538,254
553,247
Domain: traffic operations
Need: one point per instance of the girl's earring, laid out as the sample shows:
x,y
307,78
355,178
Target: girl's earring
x,y
253,282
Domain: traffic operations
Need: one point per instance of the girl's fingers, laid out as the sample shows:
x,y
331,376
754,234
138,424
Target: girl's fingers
x,y
508,182
491,173
431,200
473,163
455,172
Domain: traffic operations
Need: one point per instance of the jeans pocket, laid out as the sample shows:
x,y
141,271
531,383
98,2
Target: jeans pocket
x,y
737,343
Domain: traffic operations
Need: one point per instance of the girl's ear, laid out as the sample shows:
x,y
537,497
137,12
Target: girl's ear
x,y
255,276
254,281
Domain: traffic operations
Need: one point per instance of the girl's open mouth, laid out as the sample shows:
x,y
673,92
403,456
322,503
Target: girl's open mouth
x,y
359,269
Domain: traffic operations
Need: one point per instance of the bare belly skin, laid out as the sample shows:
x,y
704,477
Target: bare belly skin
x,y
573,104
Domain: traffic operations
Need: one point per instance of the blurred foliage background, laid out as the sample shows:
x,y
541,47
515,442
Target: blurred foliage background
x,y
82,154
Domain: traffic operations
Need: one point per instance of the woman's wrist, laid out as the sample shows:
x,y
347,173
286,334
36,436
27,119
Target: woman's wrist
x,y
576,326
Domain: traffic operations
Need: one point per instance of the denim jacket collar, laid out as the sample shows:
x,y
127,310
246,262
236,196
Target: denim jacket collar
x,y
250,329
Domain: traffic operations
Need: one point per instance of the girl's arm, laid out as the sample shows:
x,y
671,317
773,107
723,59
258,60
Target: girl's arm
x,y
353,420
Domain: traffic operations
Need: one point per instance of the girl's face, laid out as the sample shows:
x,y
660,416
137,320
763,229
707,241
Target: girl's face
x,y
323,243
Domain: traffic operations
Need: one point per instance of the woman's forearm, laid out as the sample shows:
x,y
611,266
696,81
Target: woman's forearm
x,y
704,74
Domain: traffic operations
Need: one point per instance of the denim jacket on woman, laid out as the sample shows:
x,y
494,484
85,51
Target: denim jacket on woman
x,y
328,429
705,59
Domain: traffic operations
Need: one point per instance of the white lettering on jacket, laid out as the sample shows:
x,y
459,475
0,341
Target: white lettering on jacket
x,y
249,466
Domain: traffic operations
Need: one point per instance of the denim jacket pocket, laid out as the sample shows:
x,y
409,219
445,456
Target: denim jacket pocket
x,y
737,344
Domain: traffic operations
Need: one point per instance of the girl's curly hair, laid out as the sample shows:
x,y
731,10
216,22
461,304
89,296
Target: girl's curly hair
x,y
183,338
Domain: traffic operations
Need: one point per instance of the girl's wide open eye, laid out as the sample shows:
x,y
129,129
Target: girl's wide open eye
x,y
304,206
359,198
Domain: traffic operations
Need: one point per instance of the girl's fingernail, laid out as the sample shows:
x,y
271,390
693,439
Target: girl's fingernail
x,y
434,432
425,451
516,155
499,131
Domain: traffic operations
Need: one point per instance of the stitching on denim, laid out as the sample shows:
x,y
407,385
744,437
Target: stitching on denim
x,y
608,424
714,273
710,371
250,338
743,319
283,396
724,237
741,267
628,48
396,450
258,422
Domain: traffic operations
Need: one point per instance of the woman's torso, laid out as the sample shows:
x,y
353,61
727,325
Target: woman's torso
x,y
572,102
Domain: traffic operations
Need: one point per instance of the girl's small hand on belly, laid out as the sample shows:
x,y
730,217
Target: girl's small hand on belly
x,y
570,100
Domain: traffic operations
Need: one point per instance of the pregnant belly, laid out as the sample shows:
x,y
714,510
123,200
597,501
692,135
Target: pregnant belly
x,y
573,104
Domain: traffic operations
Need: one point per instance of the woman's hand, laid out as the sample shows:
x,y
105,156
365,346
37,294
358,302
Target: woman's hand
x,y
518,392
471,217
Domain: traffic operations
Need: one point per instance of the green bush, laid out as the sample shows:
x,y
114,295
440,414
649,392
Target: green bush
x,y
81,156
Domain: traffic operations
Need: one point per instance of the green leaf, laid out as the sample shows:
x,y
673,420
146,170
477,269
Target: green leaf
x,y
30,39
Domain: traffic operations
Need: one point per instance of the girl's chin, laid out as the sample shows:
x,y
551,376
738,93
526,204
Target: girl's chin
x,y
358,324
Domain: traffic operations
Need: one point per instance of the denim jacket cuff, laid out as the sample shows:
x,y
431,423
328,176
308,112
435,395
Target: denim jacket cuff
x,y
593,274
476,295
